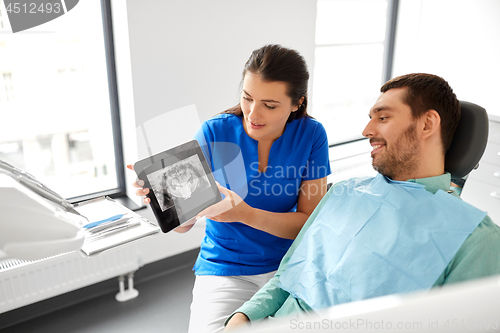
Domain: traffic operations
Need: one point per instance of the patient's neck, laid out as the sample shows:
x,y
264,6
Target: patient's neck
x,y
430,164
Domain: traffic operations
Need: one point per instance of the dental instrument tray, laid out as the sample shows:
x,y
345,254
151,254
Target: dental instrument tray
x,y
181,184
110,225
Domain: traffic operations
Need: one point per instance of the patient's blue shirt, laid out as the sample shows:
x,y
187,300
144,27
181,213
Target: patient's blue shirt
x,y
300,153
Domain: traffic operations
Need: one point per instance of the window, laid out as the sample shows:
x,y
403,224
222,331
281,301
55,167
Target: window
x,y
350,63
55,97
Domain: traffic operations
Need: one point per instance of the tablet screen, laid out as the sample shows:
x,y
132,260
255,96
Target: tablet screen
x,y
181,184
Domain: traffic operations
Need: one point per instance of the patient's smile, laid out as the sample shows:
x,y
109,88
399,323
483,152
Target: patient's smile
x,y
376,147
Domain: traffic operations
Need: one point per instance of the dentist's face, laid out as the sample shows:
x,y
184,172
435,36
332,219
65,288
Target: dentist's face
x,y
266,107
392,134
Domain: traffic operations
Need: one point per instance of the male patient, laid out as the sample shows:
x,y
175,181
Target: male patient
x,y
401,231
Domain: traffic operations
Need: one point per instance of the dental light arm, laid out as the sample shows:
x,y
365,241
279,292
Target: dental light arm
x,y
35,222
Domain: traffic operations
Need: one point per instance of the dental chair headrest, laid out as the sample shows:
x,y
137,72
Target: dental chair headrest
x,y
469,142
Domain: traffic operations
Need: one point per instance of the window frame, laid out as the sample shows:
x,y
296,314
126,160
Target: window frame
x,y
390,39
2,24
118,193
7,91
388,57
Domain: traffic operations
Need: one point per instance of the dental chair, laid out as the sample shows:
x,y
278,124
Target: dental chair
x,y
468,144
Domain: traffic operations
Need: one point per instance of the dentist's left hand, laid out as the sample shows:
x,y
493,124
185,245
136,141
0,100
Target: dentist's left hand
x,y
231,209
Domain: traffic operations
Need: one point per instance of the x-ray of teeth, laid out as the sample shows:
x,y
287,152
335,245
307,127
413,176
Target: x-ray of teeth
x,y
181,181
178,181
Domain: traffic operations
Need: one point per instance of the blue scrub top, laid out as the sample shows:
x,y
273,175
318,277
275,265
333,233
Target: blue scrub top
x,y
301,153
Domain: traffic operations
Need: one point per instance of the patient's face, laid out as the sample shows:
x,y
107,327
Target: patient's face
x,y
393,136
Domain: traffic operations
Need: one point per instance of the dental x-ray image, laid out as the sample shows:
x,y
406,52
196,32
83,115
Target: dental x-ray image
x,y
181,184
178,182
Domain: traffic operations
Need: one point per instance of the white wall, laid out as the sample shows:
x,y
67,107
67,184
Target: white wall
x,y
171,54
456,39
192,52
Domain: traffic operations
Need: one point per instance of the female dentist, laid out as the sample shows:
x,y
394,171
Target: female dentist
x,y
285,157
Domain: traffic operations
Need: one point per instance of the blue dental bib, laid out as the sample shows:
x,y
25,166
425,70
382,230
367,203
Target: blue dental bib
x,y
376,237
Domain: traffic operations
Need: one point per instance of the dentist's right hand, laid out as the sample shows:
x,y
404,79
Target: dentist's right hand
x,y
142,192
185,227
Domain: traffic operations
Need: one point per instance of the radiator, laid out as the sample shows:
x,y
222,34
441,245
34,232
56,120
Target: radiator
x,y
29,282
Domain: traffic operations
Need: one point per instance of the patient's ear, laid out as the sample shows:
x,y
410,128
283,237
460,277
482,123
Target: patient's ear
x,y
432,124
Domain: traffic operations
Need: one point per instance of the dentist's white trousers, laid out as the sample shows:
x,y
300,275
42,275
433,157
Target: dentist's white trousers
x,y
216,297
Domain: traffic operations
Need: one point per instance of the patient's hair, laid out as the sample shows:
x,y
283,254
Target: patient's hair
x,y
430,92
277,63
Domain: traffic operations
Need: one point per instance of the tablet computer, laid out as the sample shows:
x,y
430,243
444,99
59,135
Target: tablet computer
x,y
181,184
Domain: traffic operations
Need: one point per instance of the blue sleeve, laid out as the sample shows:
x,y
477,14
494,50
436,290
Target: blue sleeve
x,y
319,162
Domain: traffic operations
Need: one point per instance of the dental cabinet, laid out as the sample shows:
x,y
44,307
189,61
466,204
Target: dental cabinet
x,y
482,188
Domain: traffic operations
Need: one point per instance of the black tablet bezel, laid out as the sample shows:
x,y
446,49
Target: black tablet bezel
x,y
170,218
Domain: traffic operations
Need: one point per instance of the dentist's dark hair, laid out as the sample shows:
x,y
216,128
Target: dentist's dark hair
x,y
277,63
